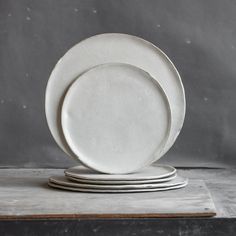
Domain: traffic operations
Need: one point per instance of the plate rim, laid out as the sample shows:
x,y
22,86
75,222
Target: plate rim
x,y
158,152
124,182
67,182
174,171
73,189
59,138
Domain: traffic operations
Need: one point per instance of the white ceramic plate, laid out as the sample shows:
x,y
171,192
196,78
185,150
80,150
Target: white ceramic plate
x,y
154,172
109,48
126,182
116,118
61,180
76,189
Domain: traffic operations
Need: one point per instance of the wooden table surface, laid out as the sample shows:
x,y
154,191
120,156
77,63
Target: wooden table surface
x,y
24,195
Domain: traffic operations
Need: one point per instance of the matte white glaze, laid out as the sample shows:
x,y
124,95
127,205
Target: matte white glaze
x,y
116,118
107,48
153,172
61,180
126,182
79,189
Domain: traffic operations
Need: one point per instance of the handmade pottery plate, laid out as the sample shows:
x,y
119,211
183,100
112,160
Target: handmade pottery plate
x,y
61,180
154,172
116,118
161,180
110,48
76,189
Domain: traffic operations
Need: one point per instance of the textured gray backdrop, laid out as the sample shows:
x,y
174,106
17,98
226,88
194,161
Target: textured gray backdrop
x,y
199,37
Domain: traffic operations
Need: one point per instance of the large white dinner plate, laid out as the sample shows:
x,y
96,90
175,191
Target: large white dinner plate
x,y
78,189
116,118
109,48
147,175
62,180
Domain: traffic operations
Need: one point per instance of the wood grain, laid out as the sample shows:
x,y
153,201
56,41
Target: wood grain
x,y
25,194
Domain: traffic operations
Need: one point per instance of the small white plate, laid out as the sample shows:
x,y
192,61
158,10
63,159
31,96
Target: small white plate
x,y
161,180
62,180
116,118
67,186
110,48
150,173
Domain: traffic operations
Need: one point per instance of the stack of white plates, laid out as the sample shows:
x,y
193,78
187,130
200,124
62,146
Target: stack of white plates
x,y
153,178
115,103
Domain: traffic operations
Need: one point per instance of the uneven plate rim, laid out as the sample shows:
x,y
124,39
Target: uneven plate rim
x,y
124,182
54,179
59,138
164,140
143,178
117,191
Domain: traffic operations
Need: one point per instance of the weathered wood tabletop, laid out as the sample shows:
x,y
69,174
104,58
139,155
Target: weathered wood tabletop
x,y
24,192
24,195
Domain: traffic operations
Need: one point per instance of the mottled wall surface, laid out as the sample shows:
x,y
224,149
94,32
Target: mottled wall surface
x,y
199,37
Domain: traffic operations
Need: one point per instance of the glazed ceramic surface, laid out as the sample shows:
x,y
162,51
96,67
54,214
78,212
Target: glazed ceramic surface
x,y
77,189
61,180
126,182
109,48
116,118
153,172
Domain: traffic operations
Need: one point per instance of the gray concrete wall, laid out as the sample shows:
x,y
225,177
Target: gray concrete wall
x,y
199,37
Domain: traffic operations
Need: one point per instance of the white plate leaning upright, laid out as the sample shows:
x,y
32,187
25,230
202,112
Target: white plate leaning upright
x,y
116,118
109,48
